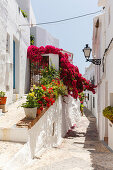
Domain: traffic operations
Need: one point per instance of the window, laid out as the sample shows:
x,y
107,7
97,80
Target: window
x,y
97,26
36,70
93,102
88,96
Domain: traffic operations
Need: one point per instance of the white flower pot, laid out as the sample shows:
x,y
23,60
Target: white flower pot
x,y
30,112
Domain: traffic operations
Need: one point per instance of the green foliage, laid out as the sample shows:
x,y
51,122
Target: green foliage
x,y
2,94
45,95
23,13
31,101
32,39
48,74
59,88
39,92
108,113
81,96
81,108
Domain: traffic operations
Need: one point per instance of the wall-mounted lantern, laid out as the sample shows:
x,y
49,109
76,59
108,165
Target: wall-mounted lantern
x,y
87,51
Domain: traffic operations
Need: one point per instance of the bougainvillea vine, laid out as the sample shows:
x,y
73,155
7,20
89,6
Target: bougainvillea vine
x,y
69,73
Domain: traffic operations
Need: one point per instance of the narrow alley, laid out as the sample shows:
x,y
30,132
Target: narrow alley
x,y
80,150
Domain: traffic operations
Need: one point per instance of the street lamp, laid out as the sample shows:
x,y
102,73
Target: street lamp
x,y
87,51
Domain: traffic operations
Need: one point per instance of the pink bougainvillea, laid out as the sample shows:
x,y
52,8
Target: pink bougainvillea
x,y
69,73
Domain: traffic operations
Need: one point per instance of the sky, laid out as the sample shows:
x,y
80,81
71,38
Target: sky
x,y
73,34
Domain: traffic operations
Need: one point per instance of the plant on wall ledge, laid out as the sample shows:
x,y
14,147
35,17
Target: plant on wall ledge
x,y
81,98
2,98
23,13
32,39
108,113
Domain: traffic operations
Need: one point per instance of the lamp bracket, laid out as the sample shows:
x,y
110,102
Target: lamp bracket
x,y
94,61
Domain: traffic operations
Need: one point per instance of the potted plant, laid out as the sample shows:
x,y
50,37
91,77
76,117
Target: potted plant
x,y
30,107
108,113
2,98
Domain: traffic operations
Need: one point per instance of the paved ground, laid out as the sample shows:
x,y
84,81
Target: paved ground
x,y
7,151
81,150
7,120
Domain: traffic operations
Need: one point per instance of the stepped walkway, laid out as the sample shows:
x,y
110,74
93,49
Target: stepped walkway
x,y
80,150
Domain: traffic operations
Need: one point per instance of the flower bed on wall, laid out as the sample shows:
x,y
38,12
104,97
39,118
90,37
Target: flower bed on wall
x,y
69,73
44,95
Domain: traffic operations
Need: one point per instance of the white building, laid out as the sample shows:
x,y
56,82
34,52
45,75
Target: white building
x,y
43,37
103,49
14,67
90,98
14,41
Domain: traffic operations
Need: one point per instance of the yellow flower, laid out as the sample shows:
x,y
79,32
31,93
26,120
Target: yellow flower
x,y
34,86
30,94
31,89
33,94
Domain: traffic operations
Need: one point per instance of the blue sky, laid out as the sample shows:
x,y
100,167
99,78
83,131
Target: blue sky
x,y
74,34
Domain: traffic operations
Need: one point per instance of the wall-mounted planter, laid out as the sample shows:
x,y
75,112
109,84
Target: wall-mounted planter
x,y
110,134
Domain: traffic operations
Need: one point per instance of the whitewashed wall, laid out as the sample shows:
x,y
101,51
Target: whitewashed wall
x,y
10,20
25,5
3,34
97,52
101,39
43,38
71,114
32,15
91,104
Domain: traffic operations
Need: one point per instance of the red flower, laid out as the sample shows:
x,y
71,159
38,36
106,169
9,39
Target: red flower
x,y
69,73
40,102
41,108
48,105
43,87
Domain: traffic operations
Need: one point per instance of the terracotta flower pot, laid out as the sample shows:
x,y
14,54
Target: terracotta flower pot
x,y
38,111
30,112
3,100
